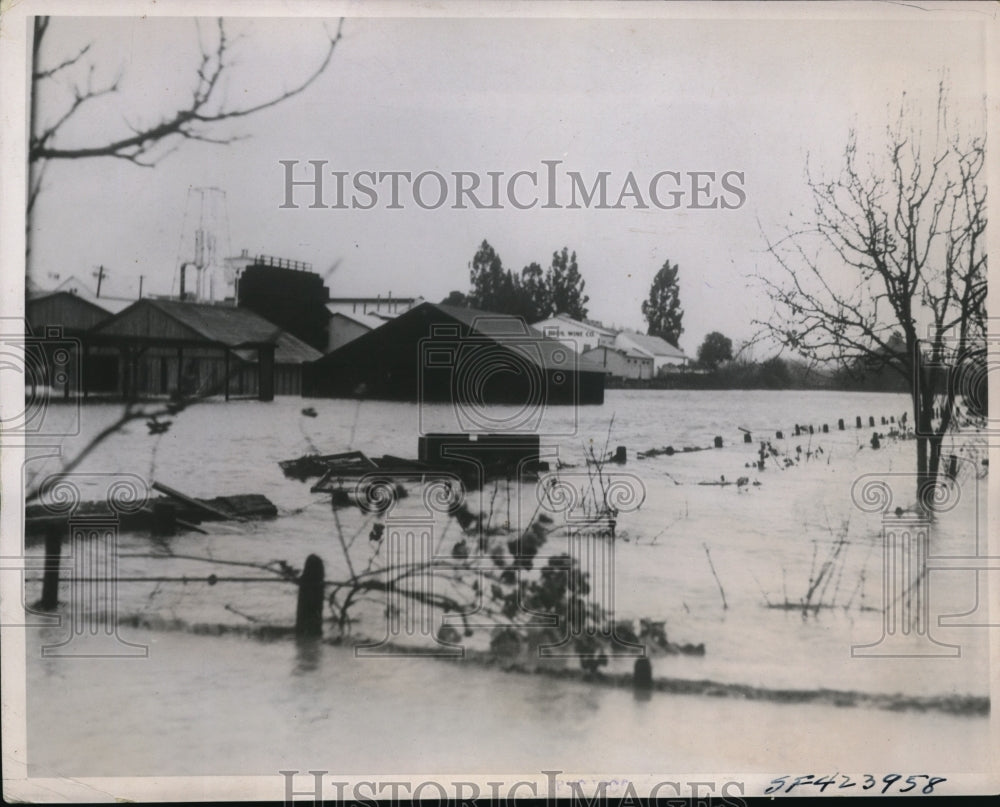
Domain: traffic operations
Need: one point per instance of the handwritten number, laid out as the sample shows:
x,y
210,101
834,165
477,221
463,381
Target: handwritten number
x,y
934,780
890,780
776,785
847,782
869,782
911,783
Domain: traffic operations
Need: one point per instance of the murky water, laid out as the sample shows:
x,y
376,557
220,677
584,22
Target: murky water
x,y
226,704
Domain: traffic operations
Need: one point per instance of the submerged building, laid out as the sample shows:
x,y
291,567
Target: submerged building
x,y
443,353
162,347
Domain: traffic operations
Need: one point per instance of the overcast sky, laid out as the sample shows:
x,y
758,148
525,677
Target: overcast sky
x,y
492,95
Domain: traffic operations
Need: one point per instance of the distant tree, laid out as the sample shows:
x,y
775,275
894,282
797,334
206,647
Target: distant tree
x,y
662,309
533,294
492,287
774,374
714,350
565,286
456,298
536,292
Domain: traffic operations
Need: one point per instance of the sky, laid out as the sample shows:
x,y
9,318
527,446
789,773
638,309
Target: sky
x,y
755,97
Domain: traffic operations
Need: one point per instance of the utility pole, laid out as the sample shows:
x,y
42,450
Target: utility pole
x,y
100,277
140,286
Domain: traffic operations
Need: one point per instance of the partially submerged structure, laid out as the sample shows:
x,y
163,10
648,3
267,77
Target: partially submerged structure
x,y
620,362
159,347
659,350
444,353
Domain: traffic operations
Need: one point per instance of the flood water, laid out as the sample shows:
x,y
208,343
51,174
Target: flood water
x,y
710,561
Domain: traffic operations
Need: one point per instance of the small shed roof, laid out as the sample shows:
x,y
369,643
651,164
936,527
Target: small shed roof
x,y
73,311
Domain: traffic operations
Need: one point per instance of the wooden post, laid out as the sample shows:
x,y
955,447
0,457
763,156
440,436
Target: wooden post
x,y
718,442
871,420
747,437
826,429
810,430
226,371
779,436
309,611
50,578
642,674
840,424
857,422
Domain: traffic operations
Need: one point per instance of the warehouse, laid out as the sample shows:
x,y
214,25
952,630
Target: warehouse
x,y
444,353
168,347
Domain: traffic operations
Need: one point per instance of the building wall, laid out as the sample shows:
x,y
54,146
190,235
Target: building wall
x,y
293,299
580,338
344,330
203,371
620,366
659,361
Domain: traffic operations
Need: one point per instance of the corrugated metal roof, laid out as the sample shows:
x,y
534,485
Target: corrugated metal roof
x,y
225,325
503,327
654,345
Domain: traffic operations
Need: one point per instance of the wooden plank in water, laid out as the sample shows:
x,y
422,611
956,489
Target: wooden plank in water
x,y
196,503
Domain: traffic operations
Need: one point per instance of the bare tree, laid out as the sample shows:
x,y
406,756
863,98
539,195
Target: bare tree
x,y
909,236
143,144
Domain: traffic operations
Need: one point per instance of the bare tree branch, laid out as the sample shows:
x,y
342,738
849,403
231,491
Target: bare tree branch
x,y
193,121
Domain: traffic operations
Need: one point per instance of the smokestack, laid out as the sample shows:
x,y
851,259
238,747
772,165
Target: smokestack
x,y
183,273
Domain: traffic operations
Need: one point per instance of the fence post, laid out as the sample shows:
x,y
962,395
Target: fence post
x,y
642,674
50,579
309,611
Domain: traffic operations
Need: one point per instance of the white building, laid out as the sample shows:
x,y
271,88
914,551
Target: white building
x,y
580,336
660,350
350,317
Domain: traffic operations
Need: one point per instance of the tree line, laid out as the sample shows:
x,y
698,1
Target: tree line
x,y
535,293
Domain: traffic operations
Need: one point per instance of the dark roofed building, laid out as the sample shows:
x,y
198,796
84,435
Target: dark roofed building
x,y
63,309
200,349
443,353
59,319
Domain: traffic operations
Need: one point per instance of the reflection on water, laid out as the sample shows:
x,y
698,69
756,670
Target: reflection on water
x,y
308,655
